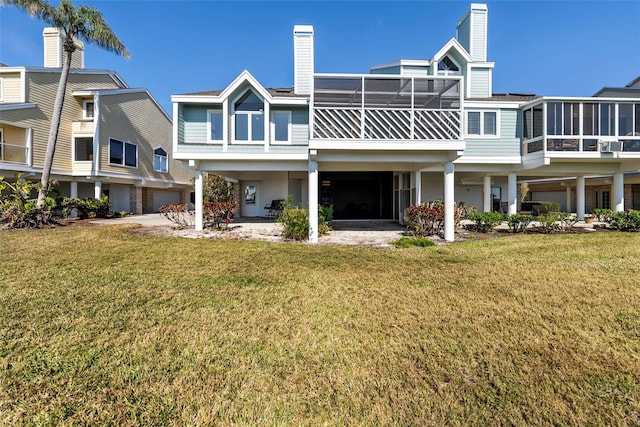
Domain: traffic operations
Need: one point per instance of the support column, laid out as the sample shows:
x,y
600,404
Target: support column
x,y
418,187
512,193
199,180
618,192
568,198
313,201
580,205
97,189
73,193
449,202
487,204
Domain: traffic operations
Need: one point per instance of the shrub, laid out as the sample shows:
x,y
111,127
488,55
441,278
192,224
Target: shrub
x,y
427,219
87,207
178,214
294,220
548,222
219,214
483,222
602,215
18,210
405,242
519,222
625,221
566,220
540,207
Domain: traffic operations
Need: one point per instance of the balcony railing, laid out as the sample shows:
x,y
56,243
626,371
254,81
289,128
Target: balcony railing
x,y
11,153
386,108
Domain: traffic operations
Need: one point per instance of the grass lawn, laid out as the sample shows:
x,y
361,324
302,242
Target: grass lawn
x,y
99,326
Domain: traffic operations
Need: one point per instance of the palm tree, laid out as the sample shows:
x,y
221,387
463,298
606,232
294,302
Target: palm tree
x,y
84,23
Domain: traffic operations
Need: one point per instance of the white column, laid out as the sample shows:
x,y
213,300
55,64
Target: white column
x,y
313,201
618,192
512,193
73,193
418,187
97,189
199,200
568,198
580,205
449,202
487,204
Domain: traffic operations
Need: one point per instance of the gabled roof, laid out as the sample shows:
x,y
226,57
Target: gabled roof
x,y
452,44
272,96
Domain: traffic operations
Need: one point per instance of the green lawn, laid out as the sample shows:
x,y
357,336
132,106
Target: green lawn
x,y
99,326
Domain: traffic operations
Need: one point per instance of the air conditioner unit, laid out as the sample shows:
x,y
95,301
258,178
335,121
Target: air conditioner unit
x,y
610,146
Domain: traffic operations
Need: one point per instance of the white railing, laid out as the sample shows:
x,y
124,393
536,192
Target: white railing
x,y
386,124
11,153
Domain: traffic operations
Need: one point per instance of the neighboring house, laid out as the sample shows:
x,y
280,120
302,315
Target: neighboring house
x,y
113,139
409,131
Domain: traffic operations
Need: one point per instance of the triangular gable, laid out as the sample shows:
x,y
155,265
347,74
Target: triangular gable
x,y
455,45
246,77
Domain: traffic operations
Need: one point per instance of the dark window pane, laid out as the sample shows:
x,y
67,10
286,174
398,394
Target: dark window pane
x,y
242,127
473,123
130,155
116,151
625,119
216,126
84,149
490,123
249,102
281,123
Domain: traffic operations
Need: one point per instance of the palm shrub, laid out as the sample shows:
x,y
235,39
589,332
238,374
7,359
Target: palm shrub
x,y
18,209
483,222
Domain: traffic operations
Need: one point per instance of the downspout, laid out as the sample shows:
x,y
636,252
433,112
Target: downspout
x,y
96,133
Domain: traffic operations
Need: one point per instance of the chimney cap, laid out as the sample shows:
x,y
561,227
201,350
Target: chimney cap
x,y
303,29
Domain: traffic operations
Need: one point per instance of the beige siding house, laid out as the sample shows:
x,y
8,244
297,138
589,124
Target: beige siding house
x,y
113,140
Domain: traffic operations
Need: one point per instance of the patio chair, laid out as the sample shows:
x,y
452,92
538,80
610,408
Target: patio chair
x,y
271,210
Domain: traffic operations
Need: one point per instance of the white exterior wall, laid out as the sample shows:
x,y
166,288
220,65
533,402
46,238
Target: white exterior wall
x,y
303,59
432,188
479,34
480,83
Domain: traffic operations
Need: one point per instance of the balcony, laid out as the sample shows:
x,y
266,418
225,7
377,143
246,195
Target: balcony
x,y
16,154
374,108
589,127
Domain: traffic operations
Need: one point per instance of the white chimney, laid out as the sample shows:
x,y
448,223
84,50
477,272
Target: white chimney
x,y
54,53
302,59
472,31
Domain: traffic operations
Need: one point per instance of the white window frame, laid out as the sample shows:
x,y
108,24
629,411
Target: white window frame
x,y
166,160
482,134
73,151
448,72
249,139
124,151
224,127
273,127
84,109
1,144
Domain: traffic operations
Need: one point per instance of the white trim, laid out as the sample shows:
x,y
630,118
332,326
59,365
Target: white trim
x,y
166,157
482,134
124,159
7,107
73,147
452,44
273,127
86,102
249,140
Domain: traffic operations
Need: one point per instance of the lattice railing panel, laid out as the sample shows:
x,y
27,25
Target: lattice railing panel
x,y
437,124
330,123
387,124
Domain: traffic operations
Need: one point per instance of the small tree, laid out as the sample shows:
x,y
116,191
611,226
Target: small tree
x,y
217,189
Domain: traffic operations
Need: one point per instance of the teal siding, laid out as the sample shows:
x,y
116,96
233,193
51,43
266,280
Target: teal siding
x,y
478,46
480,83
300,127
180,121
507,146
195,124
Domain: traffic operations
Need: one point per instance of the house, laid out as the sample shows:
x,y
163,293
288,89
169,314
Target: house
x,y
406,132
113,140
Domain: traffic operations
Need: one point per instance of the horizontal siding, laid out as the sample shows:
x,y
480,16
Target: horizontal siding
x,y
179,122
195,124
507,146
135,118
414,70
300,127
11,87
387,70
480,84
464,33
303,63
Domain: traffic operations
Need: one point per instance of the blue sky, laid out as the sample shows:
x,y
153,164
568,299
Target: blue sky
x,y
563,48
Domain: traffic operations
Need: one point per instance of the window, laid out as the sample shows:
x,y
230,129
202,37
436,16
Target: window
x,y
160,160
216,124
87,109
607,119
482,123
281,124
83,149
123,153
446,67
249,118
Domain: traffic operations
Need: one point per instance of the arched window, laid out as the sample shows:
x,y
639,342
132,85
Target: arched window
x,y
249,118
160,160
447,67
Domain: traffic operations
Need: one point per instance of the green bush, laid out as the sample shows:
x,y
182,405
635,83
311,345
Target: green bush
x,y
602,215
625,221
87,207
294,220
519,222
483,222
548,222
18,210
